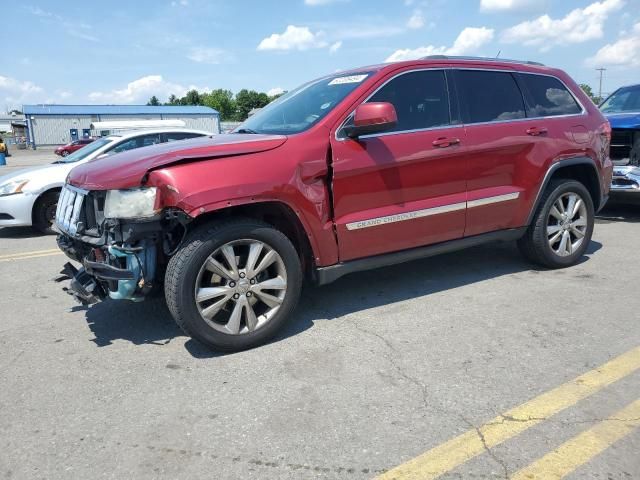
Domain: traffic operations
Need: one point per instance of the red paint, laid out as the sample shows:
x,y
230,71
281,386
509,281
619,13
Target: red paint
x,y
376,113
372,177
73,146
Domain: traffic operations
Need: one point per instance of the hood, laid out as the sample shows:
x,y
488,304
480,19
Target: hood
x,y
624,120
127,169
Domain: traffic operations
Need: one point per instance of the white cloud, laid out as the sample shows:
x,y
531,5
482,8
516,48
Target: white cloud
x,y
15,92
335,46
416,21
276,91
140,90
504,5
468,41
293,38
579,25
623,53
209,55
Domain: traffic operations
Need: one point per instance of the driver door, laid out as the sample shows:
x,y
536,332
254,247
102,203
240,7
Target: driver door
x,y
405,187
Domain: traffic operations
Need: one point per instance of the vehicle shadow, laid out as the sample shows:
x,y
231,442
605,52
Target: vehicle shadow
x,y
19,232
621,209
151,323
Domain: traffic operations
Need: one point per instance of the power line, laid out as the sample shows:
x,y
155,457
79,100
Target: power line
x,y
601,70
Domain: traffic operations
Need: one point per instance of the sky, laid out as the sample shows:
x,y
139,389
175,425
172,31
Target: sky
x,y
71,52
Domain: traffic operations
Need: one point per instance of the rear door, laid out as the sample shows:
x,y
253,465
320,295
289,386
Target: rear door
x,y
516,126
494,113
405,187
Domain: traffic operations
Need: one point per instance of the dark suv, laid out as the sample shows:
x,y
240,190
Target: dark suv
x,y
349,172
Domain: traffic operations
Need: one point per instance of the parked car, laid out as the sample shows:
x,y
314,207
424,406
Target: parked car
x,y
622,109
69,148
29,197
350,172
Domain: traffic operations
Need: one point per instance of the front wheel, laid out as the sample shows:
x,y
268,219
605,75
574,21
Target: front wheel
x,y
64,153
44,212
233,286
562,226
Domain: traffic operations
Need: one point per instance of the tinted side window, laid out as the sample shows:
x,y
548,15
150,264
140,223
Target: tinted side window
x,y
150,140
174,136
420,99
489,96
547,96
137,142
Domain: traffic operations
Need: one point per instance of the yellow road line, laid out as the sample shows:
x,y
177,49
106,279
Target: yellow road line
x,y
583,447
33,254
458,450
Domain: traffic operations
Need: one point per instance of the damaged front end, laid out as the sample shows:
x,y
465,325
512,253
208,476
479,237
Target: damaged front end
x,y
121,259
625,155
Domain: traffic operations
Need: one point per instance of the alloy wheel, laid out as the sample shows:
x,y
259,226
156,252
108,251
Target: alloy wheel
x,y
241,286
567,224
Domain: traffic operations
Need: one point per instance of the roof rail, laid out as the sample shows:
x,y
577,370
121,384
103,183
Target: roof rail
x,y
484,59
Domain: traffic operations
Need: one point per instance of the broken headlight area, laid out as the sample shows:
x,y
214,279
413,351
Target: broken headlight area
x,y
120,259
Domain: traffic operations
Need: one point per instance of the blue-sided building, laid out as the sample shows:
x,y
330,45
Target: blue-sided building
x,y
60,124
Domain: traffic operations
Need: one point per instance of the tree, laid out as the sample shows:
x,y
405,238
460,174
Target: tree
x,y
153,101
173,100
247,100
222,101
276,96
191,98
589,91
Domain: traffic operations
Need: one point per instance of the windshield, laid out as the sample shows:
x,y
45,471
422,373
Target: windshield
x,y
303,107
84,152
626,99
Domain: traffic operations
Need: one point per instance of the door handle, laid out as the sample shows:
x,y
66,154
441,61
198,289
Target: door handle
x,y
535,131
444,142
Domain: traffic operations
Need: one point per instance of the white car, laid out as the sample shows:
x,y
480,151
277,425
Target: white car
x,y
29,197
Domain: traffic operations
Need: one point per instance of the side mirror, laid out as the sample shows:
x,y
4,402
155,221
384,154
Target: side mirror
x,y
371,118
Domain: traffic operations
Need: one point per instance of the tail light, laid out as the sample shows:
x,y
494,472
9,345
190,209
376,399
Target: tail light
x,y
604,132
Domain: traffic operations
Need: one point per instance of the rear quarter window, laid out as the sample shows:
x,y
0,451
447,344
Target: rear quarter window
x,y
489,96
547,96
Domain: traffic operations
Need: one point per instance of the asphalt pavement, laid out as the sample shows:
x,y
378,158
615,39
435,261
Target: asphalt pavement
x,y
469,365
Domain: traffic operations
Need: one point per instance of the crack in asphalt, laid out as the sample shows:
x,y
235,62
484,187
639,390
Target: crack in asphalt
x,y
423,389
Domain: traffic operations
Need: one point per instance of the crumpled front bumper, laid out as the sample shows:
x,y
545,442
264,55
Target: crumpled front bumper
x,y
120,273
626,179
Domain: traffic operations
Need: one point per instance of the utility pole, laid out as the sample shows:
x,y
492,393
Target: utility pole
x,y
601,70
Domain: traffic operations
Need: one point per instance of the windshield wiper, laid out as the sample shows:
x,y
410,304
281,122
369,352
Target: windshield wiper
x,y
246,130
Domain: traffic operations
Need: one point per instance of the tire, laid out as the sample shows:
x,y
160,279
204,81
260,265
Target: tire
x,y
540,245
64,153
187,274
44,212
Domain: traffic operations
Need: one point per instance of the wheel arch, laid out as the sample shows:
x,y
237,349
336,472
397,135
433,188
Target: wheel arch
x,y
582,169
276,213
39,198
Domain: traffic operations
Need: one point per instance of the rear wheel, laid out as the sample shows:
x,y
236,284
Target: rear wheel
x,y
235,285
562,226
44,212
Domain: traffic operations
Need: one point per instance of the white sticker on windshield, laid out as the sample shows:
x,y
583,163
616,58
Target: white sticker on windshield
x,y
349,79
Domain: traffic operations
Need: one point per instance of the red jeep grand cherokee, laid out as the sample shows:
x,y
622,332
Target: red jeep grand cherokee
x,y
353,171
